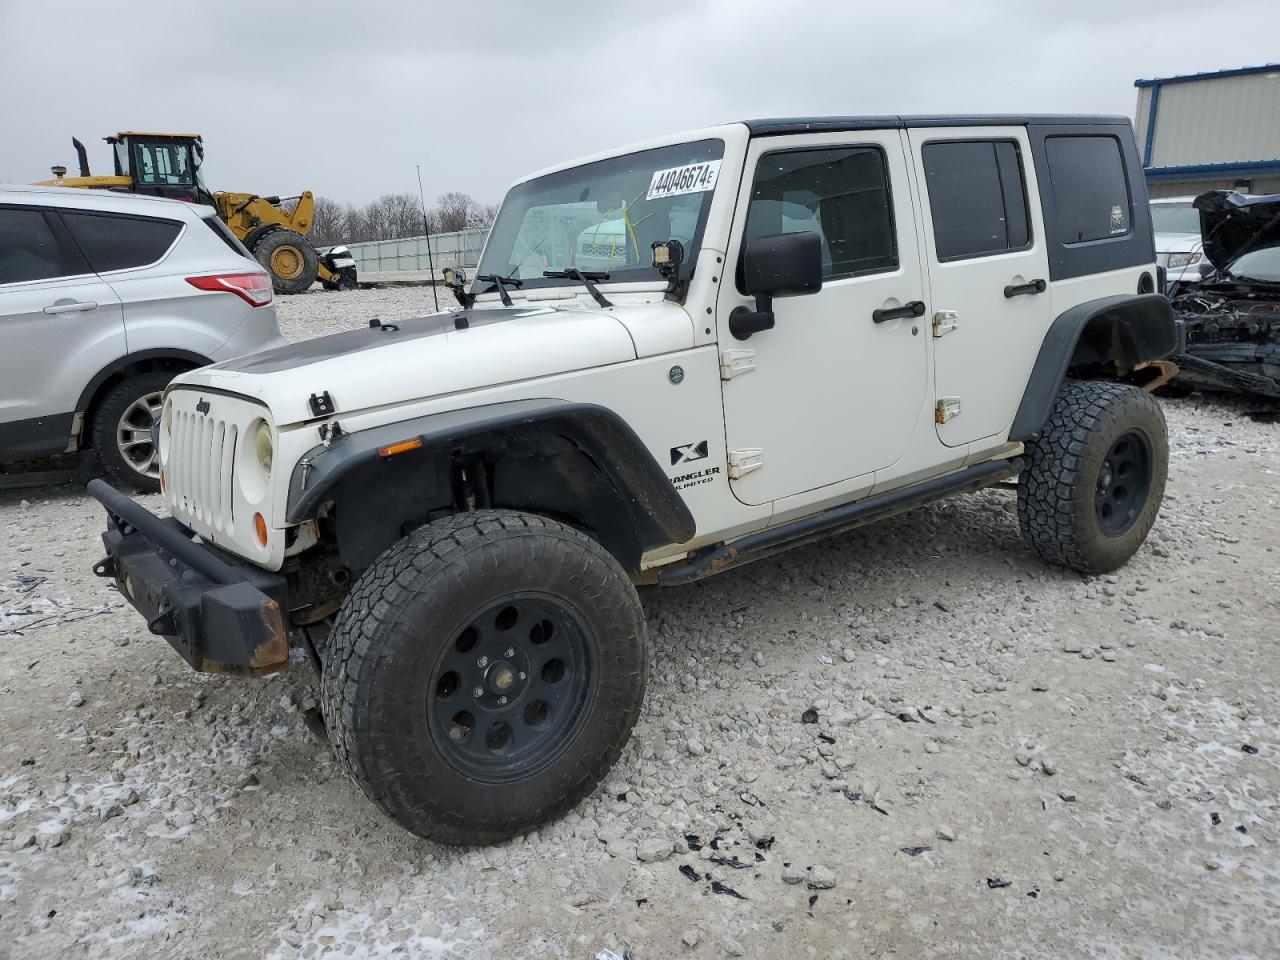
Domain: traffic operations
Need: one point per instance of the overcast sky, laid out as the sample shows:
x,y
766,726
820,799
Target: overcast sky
x,y
345,98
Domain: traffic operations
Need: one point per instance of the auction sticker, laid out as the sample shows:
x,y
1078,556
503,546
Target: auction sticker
x,y
694,178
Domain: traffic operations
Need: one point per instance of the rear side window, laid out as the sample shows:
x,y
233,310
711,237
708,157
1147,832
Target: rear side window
x,y
977,197
1089,187
226,236
115,242
30,250
841,194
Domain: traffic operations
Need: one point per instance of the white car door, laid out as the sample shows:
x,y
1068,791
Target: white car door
x,y
60,324
833,391
988,273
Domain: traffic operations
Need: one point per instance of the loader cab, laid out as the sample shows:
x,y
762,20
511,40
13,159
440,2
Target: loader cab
x,y
162,164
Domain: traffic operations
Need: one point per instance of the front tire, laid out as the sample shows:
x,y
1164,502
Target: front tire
x,y
484,675
1095,476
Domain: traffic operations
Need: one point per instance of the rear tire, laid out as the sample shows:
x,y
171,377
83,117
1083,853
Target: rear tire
x,y
484,675
121,430
290,259
1095,476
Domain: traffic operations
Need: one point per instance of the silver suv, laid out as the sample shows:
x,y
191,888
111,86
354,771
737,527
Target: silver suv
x,y
103,299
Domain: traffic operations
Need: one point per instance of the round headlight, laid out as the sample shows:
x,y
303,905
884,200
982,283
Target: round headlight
x,y
262,443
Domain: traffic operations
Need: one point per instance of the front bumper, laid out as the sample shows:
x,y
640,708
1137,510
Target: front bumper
x,y
221,614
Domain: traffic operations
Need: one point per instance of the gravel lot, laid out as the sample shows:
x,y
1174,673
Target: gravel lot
x,y
911,741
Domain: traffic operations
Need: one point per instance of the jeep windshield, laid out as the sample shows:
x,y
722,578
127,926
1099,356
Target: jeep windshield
x,y
602,217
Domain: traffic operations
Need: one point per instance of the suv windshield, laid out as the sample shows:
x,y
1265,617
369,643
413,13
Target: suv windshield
x,y
1261,265
1175,218
601,217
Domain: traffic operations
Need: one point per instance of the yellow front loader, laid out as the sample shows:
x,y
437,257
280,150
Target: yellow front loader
x,y
274,229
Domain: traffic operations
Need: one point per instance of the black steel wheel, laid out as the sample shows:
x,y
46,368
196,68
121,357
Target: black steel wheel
x,y
511,690
1124,482
1095,476
483,674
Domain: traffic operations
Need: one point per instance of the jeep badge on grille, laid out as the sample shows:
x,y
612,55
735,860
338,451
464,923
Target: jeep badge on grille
x,y
202,405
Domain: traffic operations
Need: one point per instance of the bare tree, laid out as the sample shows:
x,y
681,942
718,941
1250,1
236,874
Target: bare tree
x,y
328,223
453,211
394,216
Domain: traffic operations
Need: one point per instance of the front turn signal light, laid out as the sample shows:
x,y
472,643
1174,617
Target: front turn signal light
x,y
260,529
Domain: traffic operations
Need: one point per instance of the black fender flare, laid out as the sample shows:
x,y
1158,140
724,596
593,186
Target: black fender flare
x,y
121,364
1112,334
645,510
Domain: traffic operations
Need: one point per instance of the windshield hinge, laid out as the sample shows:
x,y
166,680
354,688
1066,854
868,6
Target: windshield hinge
x,y
735,363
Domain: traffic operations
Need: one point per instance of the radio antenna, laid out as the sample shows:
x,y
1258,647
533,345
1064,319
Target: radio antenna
x,y
426,230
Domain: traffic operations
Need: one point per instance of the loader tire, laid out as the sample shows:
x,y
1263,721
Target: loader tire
x,y
290,259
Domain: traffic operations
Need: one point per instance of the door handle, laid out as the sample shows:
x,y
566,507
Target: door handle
x,y
71,307
913,309
1020,289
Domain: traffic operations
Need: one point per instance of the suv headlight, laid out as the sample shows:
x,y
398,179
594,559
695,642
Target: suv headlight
x,y
1183,259
264,448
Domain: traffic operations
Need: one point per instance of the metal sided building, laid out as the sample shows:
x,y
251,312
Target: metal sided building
x,y
1211,131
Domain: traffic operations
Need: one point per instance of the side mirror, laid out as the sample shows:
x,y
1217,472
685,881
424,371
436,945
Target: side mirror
x,y
780,265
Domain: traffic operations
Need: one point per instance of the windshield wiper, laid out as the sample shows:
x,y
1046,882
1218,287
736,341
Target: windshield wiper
x,y
499,282
573,273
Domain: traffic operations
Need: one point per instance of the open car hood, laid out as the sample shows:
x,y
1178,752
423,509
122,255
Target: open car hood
x,y
1233,224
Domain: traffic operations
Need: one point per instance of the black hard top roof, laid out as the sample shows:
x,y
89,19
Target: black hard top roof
x,y
775,125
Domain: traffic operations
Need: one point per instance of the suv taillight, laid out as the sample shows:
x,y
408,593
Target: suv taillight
x,y
253,288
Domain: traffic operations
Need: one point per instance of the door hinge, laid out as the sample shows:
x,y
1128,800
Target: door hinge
x,y
945,409
744,461
944,321
734,363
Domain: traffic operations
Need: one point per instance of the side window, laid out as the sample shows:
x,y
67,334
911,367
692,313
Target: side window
x,y
1090,192
841,194
113,242
30,250
977,197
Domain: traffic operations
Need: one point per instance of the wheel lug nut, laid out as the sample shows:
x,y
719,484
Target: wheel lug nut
x,y
482,662
523,675
502,700
511,651
477,692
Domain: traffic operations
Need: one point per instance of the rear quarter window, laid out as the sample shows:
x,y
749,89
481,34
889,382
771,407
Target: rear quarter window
x,y
112,241
1089,187
226,236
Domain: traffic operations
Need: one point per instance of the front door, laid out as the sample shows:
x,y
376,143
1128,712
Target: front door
x,y
829,394
988,273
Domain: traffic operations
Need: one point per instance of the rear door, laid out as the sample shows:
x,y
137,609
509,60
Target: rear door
x,y
60,324
988,273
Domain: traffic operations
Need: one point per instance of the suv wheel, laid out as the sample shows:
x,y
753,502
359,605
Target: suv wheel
x,y
1095,476
122,430
484,674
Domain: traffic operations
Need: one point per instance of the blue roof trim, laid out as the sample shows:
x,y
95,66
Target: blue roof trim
x,y
1210,75
1203,171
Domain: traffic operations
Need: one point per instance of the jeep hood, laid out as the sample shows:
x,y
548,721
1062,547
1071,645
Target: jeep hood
x,y
1233,224
445,353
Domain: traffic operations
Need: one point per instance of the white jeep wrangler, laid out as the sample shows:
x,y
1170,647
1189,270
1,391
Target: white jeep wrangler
x,y
787,328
